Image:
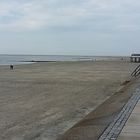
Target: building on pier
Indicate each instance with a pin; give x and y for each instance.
(135, 58)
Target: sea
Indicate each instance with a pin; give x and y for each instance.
(27, 59)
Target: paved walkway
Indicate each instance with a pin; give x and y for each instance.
(131, 130)
(114, 129)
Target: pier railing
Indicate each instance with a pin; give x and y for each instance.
(136, 72)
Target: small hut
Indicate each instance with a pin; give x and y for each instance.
(135, 58)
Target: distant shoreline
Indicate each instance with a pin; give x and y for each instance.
(38, 61)
(19, 60)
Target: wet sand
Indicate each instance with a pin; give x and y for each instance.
(41, 101)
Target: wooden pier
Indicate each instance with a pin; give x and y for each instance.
(135, 58)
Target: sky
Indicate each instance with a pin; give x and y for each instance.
(70, 27)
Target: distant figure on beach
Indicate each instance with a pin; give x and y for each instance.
(11, 67)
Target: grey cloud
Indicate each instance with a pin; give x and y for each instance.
(95, 14)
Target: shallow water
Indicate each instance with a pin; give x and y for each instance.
(18, 59)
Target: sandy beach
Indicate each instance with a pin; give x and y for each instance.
(41, 101)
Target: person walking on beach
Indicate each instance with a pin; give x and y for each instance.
(11, 67)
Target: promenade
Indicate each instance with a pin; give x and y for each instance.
(131, 130)
(126, 125)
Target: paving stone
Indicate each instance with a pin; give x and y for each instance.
(134, 120)
(136, 110)
(129, 136)
(138, 103)
(115, 128)
(131, 129)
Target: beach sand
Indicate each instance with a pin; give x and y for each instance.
(41, 101)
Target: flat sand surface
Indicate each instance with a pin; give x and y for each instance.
(41, 101)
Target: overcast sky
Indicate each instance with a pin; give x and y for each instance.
(70, 27)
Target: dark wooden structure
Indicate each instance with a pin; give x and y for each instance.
(135, 58)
